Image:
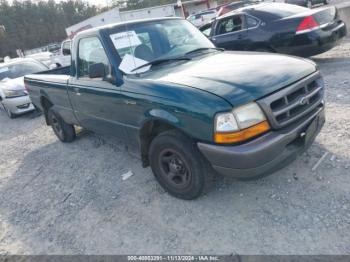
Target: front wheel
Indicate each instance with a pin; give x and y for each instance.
(65, 132)
(178, 165)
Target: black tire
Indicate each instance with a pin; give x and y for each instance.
(8, 112)
(65, 132)
(178, 165)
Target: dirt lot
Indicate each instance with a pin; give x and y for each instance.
(70, 198)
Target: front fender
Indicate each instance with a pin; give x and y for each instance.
(161, 114)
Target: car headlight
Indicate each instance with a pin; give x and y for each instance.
(14, 93)
(240, 124)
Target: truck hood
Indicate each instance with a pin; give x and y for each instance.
(12, 84)
(238, 77)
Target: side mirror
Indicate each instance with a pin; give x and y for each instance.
(66, 51)
(97, 70)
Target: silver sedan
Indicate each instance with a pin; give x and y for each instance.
(14, 97)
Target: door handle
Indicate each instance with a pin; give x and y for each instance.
(77, 91)
(239, 36)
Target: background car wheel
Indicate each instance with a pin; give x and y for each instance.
(64, 131)
(178, 165)
(8, 111)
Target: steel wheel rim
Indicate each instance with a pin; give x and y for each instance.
(174, 169)
(56, 126)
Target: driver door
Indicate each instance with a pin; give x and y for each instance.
(96, 101)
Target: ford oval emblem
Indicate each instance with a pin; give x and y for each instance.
(302, 101)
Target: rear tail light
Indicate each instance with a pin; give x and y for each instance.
(308, 24)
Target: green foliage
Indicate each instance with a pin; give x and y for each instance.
(30, 25)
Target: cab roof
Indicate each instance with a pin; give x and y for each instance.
(120, 24)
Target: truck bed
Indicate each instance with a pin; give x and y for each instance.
(52, 85)
(57, 71)
(58, 75)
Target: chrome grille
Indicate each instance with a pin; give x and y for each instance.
(293, 102)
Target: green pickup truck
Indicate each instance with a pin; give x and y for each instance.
(190, 108)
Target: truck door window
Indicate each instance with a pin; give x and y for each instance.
(91, 52)
(230, 24)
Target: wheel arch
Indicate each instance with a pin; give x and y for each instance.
(46, 104)
(152, 128)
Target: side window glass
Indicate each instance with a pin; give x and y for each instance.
(229, 25)
(252, 22)
(91, 52)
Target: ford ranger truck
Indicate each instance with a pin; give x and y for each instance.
(189, 107)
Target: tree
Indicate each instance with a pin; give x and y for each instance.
(30, 25)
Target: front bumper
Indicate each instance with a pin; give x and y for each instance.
(267, 153)
(19, 105)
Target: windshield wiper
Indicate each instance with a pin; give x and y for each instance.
(160, 61)
(203, 49)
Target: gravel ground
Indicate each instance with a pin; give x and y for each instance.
(70, 198)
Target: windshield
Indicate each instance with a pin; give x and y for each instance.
(15, 70)
(141, 43)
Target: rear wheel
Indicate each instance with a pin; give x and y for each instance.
(178, 165)
(65, 132)
(8, 111)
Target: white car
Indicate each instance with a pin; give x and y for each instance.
(62, 57)
(43, 57)
(202, 18)
(14, 97)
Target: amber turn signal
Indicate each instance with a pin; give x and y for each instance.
(242, 135)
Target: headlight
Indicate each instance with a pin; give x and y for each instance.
(249, 115)
(226, 122)
(14, 93)
(242, 123)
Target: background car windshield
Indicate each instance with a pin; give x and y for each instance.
(159, 40)
(16, 70)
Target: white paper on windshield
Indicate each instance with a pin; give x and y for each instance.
(4, 69)
(125, 39)
(130, 62)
